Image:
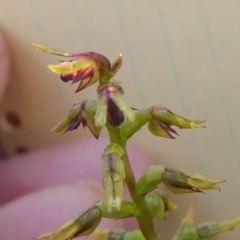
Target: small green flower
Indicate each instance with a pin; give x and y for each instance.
(185, 182)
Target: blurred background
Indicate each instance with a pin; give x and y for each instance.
(181, 54)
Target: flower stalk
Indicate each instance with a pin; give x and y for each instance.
(111, 110)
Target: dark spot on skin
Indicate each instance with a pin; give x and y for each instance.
(13, 119)
(21, 149)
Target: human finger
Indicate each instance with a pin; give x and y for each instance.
(60, 165)
(43, 211)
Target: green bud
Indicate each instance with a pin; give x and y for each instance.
(114, 175)
(212, 229)
(150, 179)
(83, 225)
(127, 209)
(185, 182)
(158, 203)
(127, 129)
(81, 113)
(155, 205)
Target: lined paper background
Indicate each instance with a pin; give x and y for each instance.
(182, 54)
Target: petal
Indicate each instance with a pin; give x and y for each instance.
(71, 66)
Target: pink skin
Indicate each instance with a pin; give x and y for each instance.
(41, 190)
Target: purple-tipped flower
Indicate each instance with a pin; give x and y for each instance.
(163, 119)
(81, 113)
(111, 106)
(86, 68)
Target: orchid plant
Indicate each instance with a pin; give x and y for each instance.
(147, 203)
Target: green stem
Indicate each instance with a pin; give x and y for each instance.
(144, 217)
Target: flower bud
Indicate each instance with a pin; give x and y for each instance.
(150, 179)
(158, 203)
(114, 175)
(186, 182)
(212, 229)
(83, 225)
(80, 113)
(112, 106)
